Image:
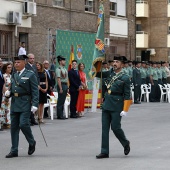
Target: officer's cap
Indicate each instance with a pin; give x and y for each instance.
(21, 57)
(163, 62)
(110, 61)
(143, 62)
(120, 58)
(136, 62)
(60, 58)
(129, 61)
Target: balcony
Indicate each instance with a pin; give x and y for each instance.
(168, 41)
(169, 10)
(142, 8)
(141, 39)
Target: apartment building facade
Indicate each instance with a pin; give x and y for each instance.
(36, 25)
(153, 30)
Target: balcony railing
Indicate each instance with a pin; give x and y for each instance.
(142, 8)
(141, 39)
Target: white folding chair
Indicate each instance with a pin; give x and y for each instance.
(132, 91)
(167, 87)
(52, 105)
(143, 92)
(163, 93)
(66, 106)
(148, 91)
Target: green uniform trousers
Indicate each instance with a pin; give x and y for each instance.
(61, 100)
(20, 120)
(114, 119)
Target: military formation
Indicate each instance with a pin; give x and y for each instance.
(145, 72)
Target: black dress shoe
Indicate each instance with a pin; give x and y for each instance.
(31, 148)
(127, 148)
(102, 155)
(74, 116)
(137, 102)
(62, 118)
(34, 122)
(11, 155)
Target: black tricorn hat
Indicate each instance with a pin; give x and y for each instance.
(104, 62)
(21, 57)
(110, 61)
(60, 58)
(136, 62)
(120, 58)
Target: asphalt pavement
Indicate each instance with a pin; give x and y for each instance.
(74, 143)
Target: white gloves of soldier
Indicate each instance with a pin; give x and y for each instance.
(34, 109)
(7, 93)
(123, 113)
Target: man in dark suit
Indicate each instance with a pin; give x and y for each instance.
(50, 83)
(137, 82)
(30, 66)
(75, 85)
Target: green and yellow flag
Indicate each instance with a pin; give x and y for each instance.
(99, 49)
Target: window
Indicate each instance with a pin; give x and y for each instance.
(58, 3)
(113, 50)
(168, 29)
(5, 44)
(113, 8)
(89, 5)
(138, 27)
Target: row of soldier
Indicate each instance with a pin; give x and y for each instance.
(150, 72)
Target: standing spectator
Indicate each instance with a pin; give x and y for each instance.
(81, 96)
(75, 82)
(24, 93)
(1, 64)
(164, 72)
(1, 88)
(6, 102)
(62, 87)
(137, 82)
(30, 66)
(52, 70)
(50, 84)
(22, 50)
(43, 86)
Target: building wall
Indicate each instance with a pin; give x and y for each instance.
(156, 25)
(71, 17)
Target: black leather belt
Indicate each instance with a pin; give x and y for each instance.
(19, 94)
(164, 78)
(64, 83)
(116, 94)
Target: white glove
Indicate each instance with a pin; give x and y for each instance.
(7, 93)
(123, 113)
(34, 109)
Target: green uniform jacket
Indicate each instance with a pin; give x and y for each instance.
(120, 89)
(28, 81)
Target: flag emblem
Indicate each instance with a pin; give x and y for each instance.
(79, 52)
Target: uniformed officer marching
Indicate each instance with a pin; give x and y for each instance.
(62, 86)
(25, 96)
(117, 101)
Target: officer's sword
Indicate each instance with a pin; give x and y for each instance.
(42, 133)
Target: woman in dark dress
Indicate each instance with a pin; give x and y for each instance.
(43, 86)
